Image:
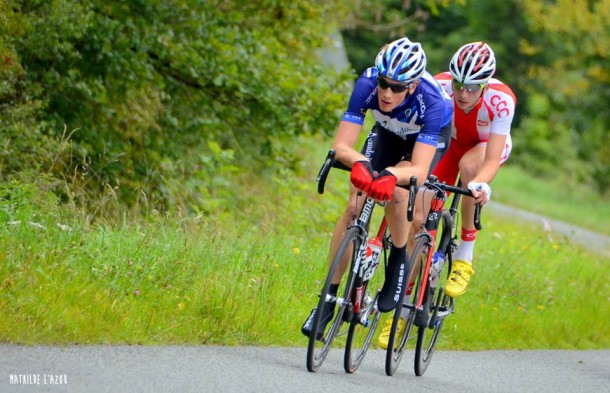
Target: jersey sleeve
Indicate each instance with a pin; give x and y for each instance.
(436, 108)
(503, 102)
(362, 94)
(444, 79)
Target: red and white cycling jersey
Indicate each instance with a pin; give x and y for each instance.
(492, 115)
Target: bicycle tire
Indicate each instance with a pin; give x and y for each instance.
(360, 334)
(446, 232)
(438, 307)
(318, 349)
(397, 345)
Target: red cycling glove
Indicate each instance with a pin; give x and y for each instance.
(362, 175)
(383, 186)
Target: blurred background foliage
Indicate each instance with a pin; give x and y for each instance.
(129, 106)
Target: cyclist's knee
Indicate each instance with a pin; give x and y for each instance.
(469, 167)
(418, 219)
(353, 206)
(400, 196)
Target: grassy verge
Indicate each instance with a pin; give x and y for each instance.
(576, 205)
(249, 277)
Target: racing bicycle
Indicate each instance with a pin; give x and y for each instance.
(428, 305)
(356, 314)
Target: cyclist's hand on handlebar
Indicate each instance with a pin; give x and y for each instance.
(481, 192)
(383, 186)
(361, 175)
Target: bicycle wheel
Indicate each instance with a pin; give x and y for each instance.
(363, 325)
(318, 349)
(438, 306)
(398, 344)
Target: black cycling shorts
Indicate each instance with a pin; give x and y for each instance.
(384, 148)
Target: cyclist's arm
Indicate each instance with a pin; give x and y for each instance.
(491, 161)
(346, 138)
(489, 168)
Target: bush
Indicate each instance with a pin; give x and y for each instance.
(161, 101)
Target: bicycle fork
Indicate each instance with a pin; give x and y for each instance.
(364, 269)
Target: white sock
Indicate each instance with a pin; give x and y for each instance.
(465, 251)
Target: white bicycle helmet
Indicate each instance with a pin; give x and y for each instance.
(402, 60)
(473, 63)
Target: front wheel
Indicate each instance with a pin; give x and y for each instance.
(363, 325)
(319, 347)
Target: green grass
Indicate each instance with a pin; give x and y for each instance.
(249, 276)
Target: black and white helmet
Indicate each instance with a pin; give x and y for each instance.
(473, 63)
(402, 60)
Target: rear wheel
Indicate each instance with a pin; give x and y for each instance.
(438, 306)
(398, 343)
(318, 348)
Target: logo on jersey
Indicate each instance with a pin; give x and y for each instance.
(422, 105)
(368, 99)
(500, 104)
(369, 145)
(399, 126)
(482, 123)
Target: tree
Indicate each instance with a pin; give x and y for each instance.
(569, 55)
(163, 101)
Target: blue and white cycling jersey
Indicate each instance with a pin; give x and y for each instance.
(424, 112)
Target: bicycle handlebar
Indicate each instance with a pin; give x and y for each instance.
(412, 193)
(323, 174)
(330, 162)
(433, 183)
(477, 216)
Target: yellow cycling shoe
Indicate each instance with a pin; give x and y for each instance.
(458, 279)
(384, 337)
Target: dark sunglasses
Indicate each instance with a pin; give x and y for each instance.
(469, 87)
(396, 88)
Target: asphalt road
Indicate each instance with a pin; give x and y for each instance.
(184, 369)
(594, 241)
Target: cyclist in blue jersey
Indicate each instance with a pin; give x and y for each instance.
(412, 130)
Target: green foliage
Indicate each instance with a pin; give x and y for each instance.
(569, 49)
(148, 88)
(370, 25)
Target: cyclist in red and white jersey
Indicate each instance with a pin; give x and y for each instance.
(483, 113)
